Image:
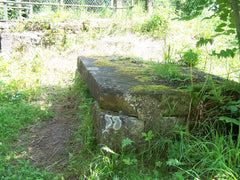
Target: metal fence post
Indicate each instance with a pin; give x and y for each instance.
(31, 10)
(5, 11)
(19, 10)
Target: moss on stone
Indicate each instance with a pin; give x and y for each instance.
(124, 67)
(116, 104)
(103, 61)
(156, 88)
(144, 78)
(129, 70)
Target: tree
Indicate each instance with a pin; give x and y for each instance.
(226, 10)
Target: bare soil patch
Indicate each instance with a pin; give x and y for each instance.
(48, 140)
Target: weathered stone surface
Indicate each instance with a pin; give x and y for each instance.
(19, 41)
(116, 91)
(158, 107)
(112, 128)
(12, 41)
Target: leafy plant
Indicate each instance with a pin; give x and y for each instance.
(157, 24)
(129, 161)
(204, 41)
(126, 142)
(85, 131)
(190, 58)
(169, 71)
(225, 53)
(148, 136)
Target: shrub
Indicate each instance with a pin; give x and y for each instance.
(190, 58)
(157, 24)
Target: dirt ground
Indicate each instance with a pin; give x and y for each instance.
(47, 142)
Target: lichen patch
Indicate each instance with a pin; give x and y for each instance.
(155, 89)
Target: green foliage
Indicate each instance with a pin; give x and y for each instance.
(230, 120)
(20, 76)
(204, 157)
(12, 168)
(82, 145)
(154, 23)
(221, 9)
(225, 53)
(231, 110)
(85, 131)
(148, 136)
(169, 71)
(189, 9)
(126, 142)
(204, 41)
(36, 25)
(157, 23)
(50, 37)
(15, 116)
(190, 58)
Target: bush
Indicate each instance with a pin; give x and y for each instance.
(158, 22)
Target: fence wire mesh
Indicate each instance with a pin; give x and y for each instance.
(74, 2)
(13, 9)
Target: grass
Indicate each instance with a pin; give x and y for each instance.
(16, 115)
(208, 149)
(24, 103)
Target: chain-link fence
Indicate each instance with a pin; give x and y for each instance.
(13, 9)
(74, 2)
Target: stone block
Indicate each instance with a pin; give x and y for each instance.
(19, 41)
(132, 103)
(112, 128)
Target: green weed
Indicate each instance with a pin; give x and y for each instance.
(190, 58)
(169, 71)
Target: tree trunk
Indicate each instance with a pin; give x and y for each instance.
(146, 5)
(235, 9)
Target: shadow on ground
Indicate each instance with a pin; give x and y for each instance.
(46, 143)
